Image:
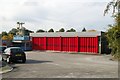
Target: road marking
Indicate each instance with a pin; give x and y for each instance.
(53, 64)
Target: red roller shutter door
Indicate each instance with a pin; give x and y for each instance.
(45, 42)
(94, 45)
(41, 43)
(82, 44)
(52, 43)
(35, 43)
(38, 43)
(88, 44)
(72, 44)
(65, 44)
(79, 44)
(56, 43)
(49, 43)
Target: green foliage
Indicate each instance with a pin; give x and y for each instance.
(8, 37)
(62, 30)
(117, 19)
(51, 30)
(40, 30)
(71, 30)
(113, 34)
(27, 32)
(13, 31)
(4, 34)
(115, 4)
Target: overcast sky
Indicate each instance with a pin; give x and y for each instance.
(46, 14)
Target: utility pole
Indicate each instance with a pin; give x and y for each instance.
(21, 24)
(20, 28)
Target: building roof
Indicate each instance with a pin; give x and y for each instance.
(66, 34)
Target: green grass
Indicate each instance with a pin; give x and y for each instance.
(5, 67)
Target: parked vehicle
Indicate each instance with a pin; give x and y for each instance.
(2, 48)
(14, 54)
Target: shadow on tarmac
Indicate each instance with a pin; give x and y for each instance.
(30, 61)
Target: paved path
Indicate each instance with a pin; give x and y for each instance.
(62, 65)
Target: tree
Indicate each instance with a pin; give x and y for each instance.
(116, 6)
(27, 32)
(71, 30)
(40, 30)
(13, 31)
(62, 30)
(84, 30)
(113, 34)
(5, 37)
(4, 34)
(51, 30)
(10, 37)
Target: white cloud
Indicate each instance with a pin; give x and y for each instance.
(54, 13)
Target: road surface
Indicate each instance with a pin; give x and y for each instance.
(64, 65)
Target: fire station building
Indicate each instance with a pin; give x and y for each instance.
(84, 42)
